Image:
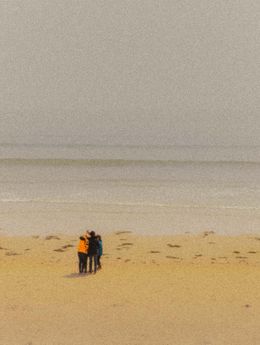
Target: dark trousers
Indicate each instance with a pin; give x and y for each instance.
(82, 262)
(91, 258)
(98, 261)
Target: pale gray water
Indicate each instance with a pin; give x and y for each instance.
(162, 181)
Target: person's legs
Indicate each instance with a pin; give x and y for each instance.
(95, 263)
(80, 263)
(87, 262)
(90, 263)
(98, 262)
(84, 264)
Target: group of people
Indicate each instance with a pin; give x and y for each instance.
(90, 249)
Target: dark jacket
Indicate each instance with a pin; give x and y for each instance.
(93, 246)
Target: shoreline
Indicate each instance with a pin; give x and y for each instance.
(19, 218)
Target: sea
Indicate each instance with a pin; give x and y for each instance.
(66, 188)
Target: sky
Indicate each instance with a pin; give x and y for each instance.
(166, 72)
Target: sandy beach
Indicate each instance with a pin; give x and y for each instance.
(184, 289)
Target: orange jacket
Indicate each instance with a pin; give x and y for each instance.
(83, 245)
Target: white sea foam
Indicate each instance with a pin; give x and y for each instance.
(137, 179)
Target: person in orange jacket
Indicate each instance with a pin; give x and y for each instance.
(83, 254)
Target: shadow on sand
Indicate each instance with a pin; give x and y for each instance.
(76, 275)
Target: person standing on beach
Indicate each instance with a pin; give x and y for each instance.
(93, 251)
(83, 254)
(100, 251)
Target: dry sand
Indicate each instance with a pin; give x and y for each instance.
(184, 290)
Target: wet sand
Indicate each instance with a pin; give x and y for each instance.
(185, 290)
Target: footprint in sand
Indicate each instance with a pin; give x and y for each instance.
(123, 232)
(60, 250)
(126, 245)
(236, 252)
(11, 254)
(2, 248)
(173, 245)
(241, 257)
(252, 252)
(154, 251)
(118, 258)
(207, 233)
(172, 257)
(197, 256)
(51, 237)
(68, 246)
(127, 260)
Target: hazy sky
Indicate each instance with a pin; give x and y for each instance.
(130, 71)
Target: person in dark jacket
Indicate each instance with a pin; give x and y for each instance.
(93, 246)
(100, 251)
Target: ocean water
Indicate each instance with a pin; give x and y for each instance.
(142, 189)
